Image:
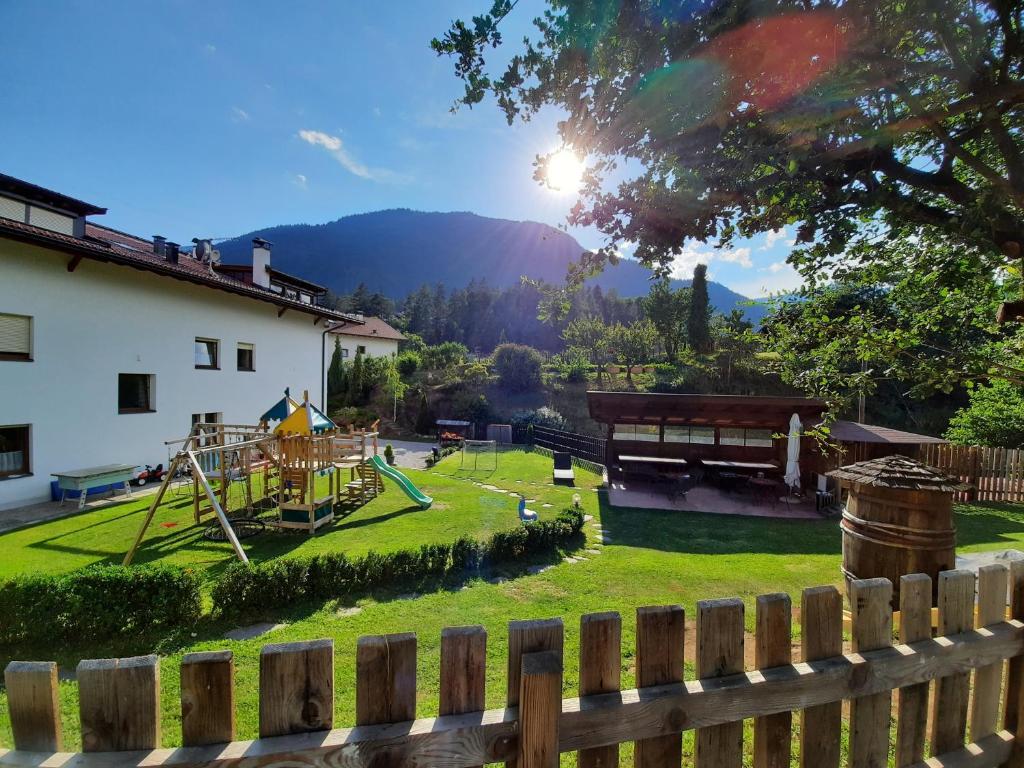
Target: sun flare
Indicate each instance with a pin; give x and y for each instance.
(564, 171)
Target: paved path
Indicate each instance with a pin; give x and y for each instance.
(407, 453)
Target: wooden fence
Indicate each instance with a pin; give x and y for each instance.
(997, 474)
(119, 699)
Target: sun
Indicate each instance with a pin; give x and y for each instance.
(564, 171)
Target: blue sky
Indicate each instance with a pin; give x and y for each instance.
(211, 119)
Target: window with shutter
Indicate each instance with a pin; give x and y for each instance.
(15, 337)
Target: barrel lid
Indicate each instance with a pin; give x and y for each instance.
(899, 472)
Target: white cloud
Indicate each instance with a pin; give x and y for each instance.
(239, 115)
(376, 111)
(775, 278)
(739, 256)
(300, 180)
(775, 267)
(778, 236)
(334, 146)
(210, 48)
(695, 253)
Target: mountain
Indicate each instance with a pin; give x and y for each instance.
(396, 251)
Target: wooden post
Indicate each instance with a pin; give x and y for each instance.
(157, 498)
(34, 704)
(600, 672)
(529, 637)
(992, 581)
(956, 614)
(821, 618)
(225, 525)
(773, 734)
(540, 707)
(463, 670)
(207, 698)
(1015, 666)
(719, 653)
(871, 605)
(660, 634)
(296, 687)
(912, 707)
(386, 679)
(119, 704)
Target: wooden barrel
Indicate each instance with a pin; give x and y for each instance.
(891, 532)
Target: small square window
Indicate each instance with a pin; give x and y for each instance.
(759, 438)
(14, 451)
(648, 433)
(702, 435)
(344, 351)
(15, 337)
(135, 393)
(207, 353)
(360, 350)
(677, 434)
(246, 359)
(730, 436)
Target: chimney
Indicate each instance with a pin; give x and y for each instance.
(171, 252)
(260, 262)
(159, 245)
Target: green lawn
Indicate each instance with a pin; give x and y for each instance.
(653, 558)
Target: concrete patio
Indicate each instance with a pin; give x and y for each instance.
(707, 498)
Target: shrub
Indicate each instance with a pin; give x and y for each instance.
(542, 417)
(389, 454)
(518, 367)
(98, 602)
(572, 365)
(408, 363)
(244, 591)
(442, 356)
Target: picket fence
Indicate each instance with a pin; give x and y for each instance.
(119, 699)
(996, 474)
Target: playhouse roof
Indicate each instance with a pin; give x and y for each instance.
(306, 420)
(899, 472)
(282, 409)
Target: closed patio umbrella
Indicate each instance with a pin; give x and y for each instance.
(792, 477)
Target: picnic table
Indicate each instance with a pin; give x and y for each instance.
(751, 465)
(629, 459)
(648, 467)
(94, 477)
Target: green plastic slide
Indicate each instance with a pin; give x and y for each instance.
(403, 482)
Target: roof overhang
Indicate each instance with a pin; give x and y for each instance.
(33, 193)
(716, 410)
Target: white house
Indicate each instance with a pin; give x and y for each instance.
(111, 344)
(373, 338)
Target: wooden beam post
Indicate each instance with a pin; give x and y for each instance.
(871, 603)
(773, 734)
(540, 707)
(296, 688)
(719, 653)
(33, 702)
(660, 634)
(600, 672)
(385, 679)
(912, 708)
(119, 704)
(821, 619)
(207, 698)
(956, 614)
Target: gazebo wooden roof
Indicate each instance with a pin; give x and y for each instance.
(713, 410)
(898, 472)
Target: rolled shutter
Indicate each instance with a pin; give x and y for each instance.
(15, 334)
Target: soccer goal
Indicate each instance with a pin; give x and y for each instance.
(479, 454)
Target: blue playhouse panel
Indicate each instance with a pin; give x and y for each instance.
(55, 492)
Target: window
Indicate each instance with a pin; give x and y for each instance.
(759, 438)
(14, 451)
(730, 436)
(702, 435)
(207, 353)
(135, 393)
(246, 361)
(360, 350)
(677, 434)
(344, 351)
(15, 337)
(752, 438)
(641, 432)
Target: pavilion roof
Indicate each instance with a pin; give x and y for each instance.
(721, 410)
(899, 472)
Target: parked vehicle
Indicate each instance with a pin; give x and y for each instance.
(148, 474)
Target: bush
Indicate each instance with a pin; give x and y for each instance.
(389, 454)
(407, 363)
(995, 417)
(572, 365)
(99, 602)
(542, 417)
(245, 591)
(444, 356)
(518, 367)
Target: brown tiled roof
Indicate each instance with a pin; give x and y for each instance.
(34, 192)
(898, 472)
(111, 246)
(372, 327)
(855, 432)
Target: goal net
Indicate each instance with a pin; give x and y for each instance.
(479, 454)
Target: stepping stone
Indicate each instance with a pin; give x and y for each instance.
(533, 570)
(408, 596)
(352, 610)
(546, 506)
(596, 525)
(587, 518)
(530, 501)
(606, 540)
(592, 551)
(572, 559)
(251, 631)
(497, 580)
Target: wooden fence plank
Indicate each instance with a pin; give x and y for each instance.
(773, 734)
(956, 614)
(296, 687)
(912, 708)
(119, 703)
(540, 707)
(207, 698)
(871, 605)
(33, 704)
(992, 581)
(386, 678)
(821, 622)
(529, 637)
(660, 634)
(719, 654)
(463, 670)
(600, 672)
(1015, 666)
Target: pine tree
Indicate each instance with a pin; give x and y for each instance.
(336, 372)
(698, 321)
(354, 390)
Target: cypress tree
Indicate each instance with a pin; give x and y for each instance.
(698, 321)
(336, 372)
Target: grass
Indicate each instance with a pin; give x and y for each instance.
(653, 558)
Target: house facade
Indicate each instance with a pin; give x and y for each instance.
(373, 338)
(111, 345)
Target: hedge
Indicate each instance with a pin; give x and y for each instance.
(98, 602)
(248, 590)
